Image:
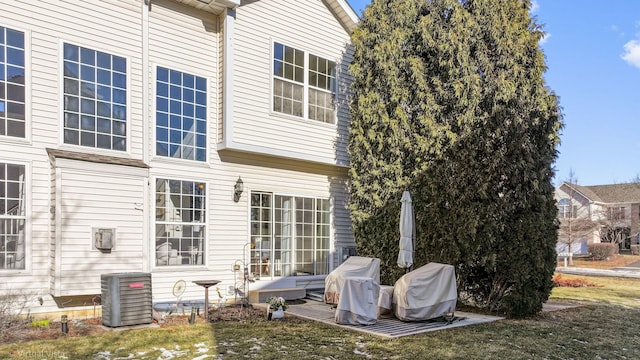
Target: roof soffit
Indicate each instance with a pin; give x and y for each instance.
(344, 13)
(212, 6)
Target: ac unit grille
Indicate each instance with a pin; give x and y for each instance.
(126, 299)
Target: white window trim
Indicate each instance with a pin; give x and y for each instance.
(28, 126)
(305, 96)
(27, 223)
(211, 130)
(152, 225)
(275, 193)
(93, 149)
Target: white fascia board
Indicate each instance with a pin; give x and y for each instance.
(263, 150)
(351, 14)
(228, 3)
(344, 13)
(97, 168)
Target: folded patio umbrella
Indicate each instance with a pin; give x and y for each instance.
(405, 254)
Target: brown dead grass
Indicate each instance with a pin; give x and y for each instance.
(588, 262)
(22, 331)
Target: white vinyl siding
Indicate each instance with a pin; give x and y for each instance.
(67, 199)
(315, 30)
(93, 196)
(184, 40)
(12, 83)
(110, 25)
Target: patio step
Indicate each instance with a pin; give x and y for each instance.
(261, 295)
(315, 295)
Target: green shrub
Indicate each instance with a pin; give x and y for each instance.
(39, 323)
(602, 251)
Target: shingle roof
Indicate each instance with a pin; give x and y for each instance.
(95, 158)
(614, 193)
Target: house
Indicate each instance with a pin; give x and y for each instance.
(188, 139)
(598, 213)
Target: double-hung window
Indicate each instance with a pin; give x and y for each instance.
(180, 222)
(95, 98)
(290, 235)
(12, 216)
(616, 213)
(566, 210)
(181, 115)
(303, 84)
(12, 80)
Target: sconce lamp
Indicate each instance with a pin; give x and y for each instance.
(237, 189)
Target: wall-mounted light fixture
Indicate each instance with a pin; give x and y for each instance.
(237, 189)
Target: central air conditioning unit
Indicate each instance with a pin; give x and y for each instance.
(126, 299)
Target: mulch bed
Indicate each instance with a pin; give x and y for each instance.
(19, 331)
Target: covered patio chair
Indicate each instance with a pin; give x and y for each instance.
(426, 293)
(354, 266)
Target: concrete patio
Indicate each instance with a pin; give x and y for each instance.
(390, 327)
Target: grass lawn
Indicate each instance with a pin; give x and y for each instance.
(593, 331)
(605, 326)
(618, 261)
(602, 328)
(610, 290)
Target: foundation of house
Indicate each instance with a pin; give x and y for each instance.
(261, 295)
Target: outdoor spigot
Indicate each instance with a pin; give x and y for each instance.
(65, 325)
(192, 318)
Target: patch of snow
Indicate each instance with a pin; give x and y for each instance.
(228, 344)
(202, 349)
(130, 356)
(103, 355)
(166, 354)
(358, 352)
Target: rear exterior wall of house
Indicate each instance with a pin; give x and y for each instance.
(126, 128)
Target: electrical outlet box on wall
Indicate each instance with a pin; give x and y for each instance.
(104, 239)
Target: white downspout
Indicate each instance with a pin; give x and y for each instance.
(227, 79)
(146, 130)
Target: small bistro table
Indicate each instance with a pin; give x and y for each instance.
(206, 284)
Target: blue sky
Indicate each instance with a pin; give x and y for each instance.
(592, 49)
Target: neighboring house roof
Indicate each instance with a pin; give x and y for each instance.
(613, 193)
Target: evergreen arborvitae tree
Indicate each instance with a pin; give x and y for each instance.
(449, 101)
